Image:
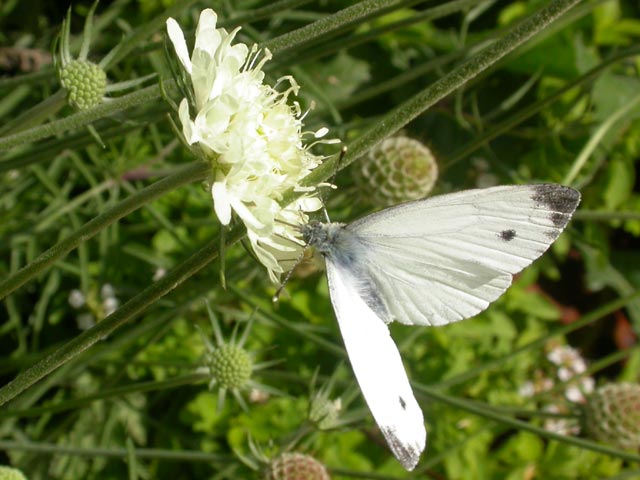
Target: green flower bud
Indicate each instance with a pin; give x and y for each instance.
(296, 466)
(612, 415)
(9, 473)
(399, 169)
(85, 83)
(231, 366)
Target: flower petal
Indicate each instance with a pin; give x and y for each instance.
(187, 125)
(179, 43)
(245, 214)
(208, 38)
(221, 203)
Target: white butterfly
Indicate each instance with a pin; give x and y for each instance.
(428, 262)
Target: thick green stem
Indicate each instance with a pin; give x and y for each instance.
(586, 319)
(127, 312)
(37, 114)
(154, 453)
(482, 138)
(404, 113)
(332, 24)
(193, 172)
(142, 387)
(492, 414)
(81, 119)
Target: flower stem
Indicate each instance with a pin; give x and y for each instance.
(75, 403)
(586, 319)
(85, 117)
(127, 312)
(597, 137)
(336, 23)
(491, 414)
(153, 453)
(34, 116)
(193, 172)
(419, 103)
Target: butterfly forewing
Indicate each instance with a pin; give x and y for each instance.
(443, 259)
(378, 367)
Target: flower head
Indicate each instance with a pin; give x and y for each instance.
(251, 136)
(230, 365)
(9, 473)
(612, 415)
(398, 169)
(294, 466)
(84, 82)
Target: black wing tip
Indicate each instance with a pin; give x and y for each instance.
(557, 197)
(406, 453)
(560, 200)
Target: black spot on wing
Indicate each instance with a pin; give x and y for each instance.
(403, 404)
(407, 454)
(561, 201)
(507, 235)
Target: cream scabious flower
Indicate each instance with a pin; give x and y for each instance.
(252, 137)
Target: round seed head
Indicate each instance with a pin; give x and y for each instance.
(10, 473)
(398, 170)
(296, 466)
(612, 415)
(231, 366)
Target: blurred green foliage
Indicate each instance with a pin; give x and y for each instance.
(563, 108)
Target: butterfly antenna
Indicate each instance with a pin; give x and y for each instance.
(276, 296)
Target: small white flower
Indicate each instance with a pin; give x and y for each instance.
(251, 136)
(107, 291)
(85, 321)
(110, 305)
(565, 374)
(527, 389)
(587, 384)
(561, 425)
(76, 298)
(258, 396)
(569, 361)
(576, 391)
(574, 394)
(159, 273)
(539, 385)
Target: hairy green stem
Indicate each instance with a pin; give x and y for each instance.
(482, 138)
(597, 138)
(418, 104)
(36, 114)
(75, 403)
(332, 24)
(491, 414)
(127, 312)
(193, 172)
(154, 453)
(605, 215)
(331, 48)
(586, 319)
(83, 118)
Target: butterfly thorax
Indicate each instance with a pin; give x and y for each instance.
(323, 236)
